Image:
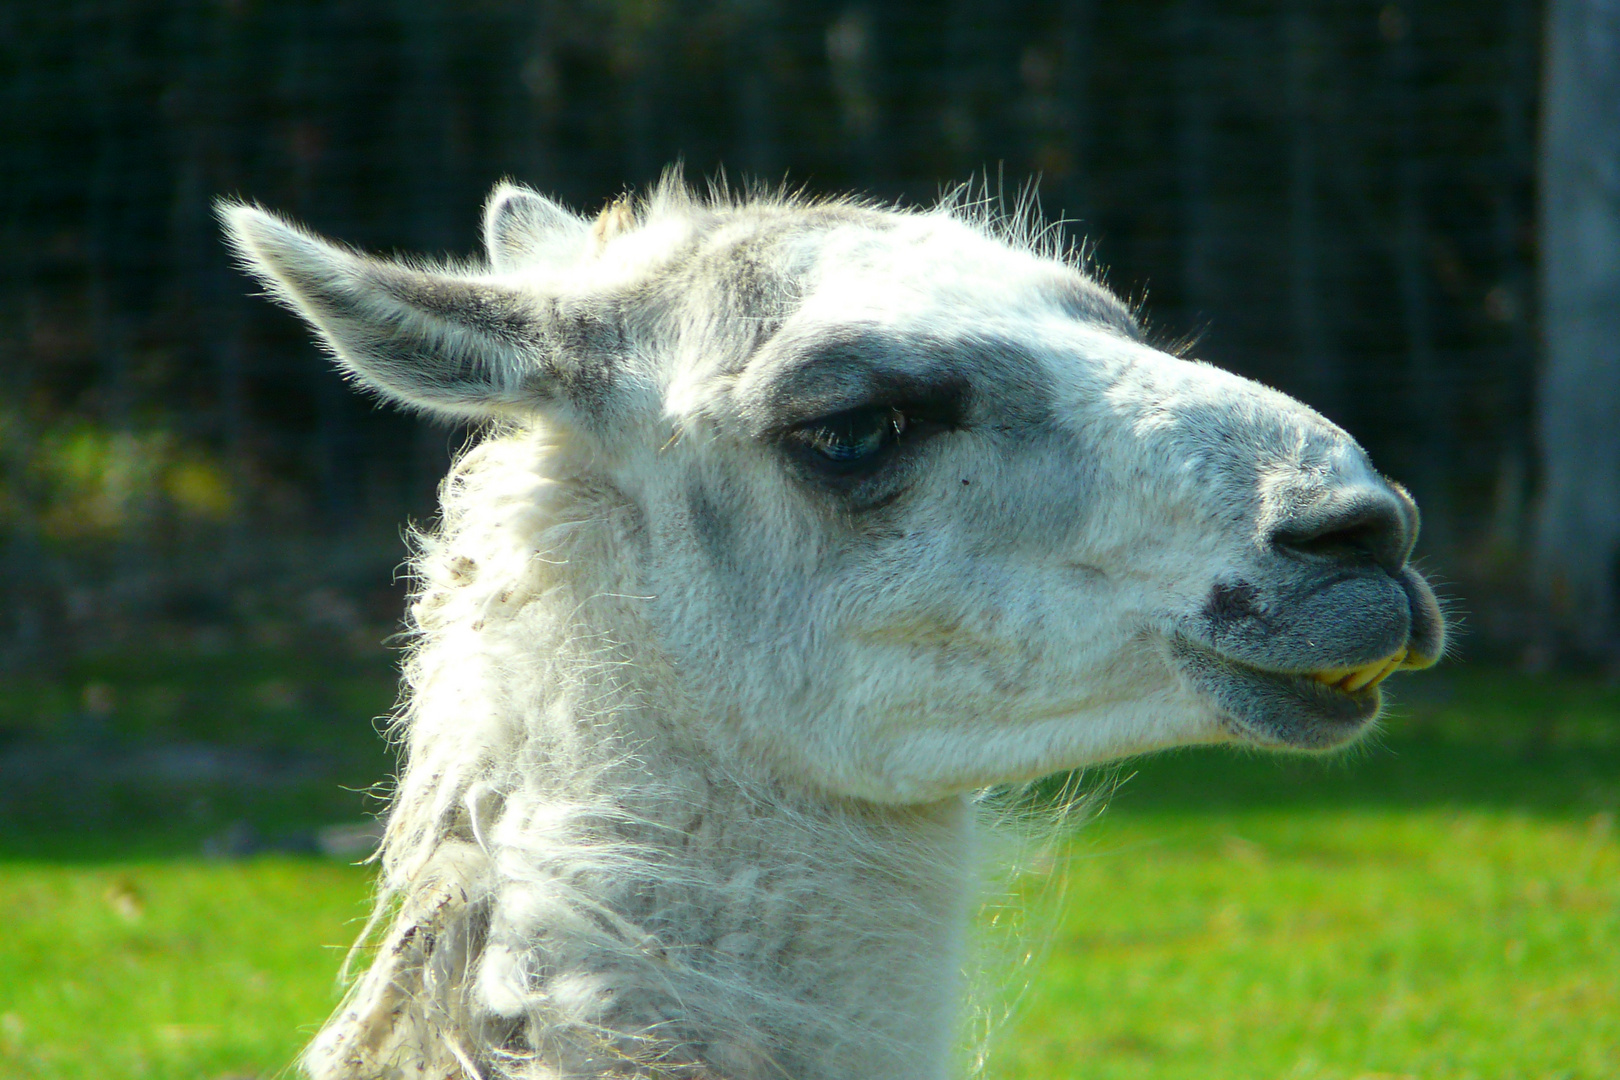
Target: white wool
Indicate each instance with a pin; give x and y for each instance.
(546, 879)
(695, 711)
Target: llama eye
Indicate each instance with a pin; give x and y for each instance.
(854, 437)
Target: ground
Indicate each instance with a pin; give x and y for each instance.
(1442, 903)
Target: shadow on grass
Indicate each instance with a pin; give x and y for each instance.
(1466, 737)
(135, 757)
(292, 750)
(1396, 772)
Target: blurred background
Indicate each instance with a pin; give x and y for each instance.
(1406, 214)
(1351, 201)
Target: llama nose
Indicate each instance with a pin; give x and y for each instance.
(1365, 523)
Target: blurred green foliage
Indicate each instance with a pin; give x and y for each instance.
(1333, 198)
(75, 480)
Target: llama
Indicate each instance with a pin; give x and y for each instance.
(794, 525)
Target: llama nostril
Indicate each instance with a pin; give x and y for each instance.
(1369, 529)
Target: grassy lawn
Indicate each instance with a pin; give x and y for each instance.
(1443, 903)
(1332, 944)
(178, 968)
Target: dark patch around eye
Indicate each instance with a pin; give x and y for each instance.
(932, 383)
(866, 456)
(938, 399)
(936, 378)
(858, 440)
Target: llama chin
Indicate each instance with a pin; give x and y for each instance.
(794, 524)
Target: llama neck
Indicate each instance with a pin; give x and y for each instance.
(690, 918)
(582, 881)
(579, 883)
(658, 915)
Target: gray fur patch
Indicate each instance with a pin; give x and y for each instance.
(856, 366)
(710, 526)
(1090, 302)
(498, 313)
(582, 348)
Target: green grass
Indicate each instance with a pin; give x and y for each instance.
(1332, 944)
(176, 969)
(1442, 904)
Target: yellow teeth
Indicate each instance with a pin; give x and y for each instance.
(1350, 680)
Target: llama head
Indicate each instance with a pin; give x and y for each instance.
(918, 509)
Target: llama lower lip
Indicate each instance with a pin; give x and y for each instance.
(1269, 708)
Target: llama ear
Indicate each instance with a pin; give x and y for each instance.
(523, 228)
(457, 345)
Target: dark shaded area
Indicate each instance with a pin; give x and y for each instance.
(158, 756)
(1397, 772)
(1468, 737)
(1335, 197)
(162, 753)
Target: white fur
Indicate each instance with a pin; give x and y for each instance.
(689, 744)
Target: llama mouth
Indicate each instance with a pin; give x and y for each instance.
(1314, 710)
(1356, 679)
